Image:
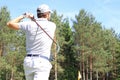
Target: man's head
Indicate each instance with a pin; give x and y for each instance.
(43, 11)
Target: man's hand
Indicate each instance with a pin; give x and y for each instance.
(28, 15)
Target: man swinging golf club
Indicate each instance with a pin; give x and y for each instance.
(38, 44)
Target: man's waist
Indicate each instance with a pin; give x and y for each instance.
(37, 55)
(37, 51)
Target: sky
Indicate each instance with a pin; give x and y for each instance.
(107, 12)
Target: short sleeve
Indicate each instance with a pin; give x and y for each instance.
(23, 26)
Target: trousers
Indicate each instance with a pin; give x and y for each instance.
(36, 68)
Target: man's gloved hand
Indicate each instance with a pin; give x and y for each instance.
(28, 15)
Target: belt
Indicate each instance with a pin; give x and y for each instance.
(37, 55)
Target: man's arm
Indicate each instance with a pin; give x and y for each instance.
(14, 23)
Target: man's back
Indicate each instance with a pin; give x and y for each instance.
(37, 41)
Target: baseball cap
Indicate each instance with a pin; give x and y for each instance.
(43, 8)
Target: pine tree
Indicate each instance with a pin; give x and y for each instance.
(12, 43)
(95, 46)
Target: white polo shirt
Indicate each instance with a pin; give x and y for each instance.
(37, 41)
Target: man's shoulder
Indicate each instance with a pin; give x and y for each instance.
(52, 23)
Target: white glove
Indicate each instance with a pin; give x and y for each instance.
(28, 15)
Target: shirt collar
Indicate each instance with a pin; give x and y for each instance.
(42, 19)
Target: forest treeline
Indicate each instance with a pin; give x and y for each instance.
(86, 46)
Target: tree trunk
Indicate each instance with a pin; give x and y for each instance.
(7, 76)
(12, 73)
(90, 67)
(87, 71)
(97, 75)
(55, 66)
(107, 75)
(83, 68)
(1, 49)
(103, 77)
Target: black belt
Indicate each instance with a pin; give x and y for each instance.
(37, 55)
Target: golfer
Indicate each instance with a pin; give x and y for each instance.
(38, 44)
